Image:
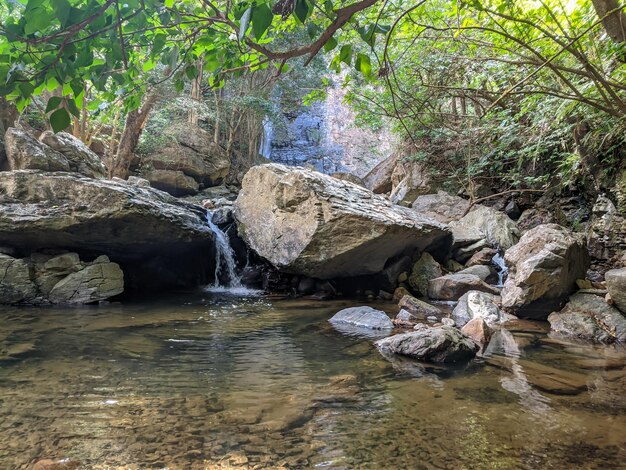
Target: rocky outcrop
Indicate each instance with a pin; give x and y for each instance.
(474, 227)
(616, 285)
(588, 317)
(24, 152)
(58, 279)
(308, 223)
(436, 344)
(173, 182)
(81, 159)
(141, 226)
(193, 156)
(342, 175)
(364, 317)
(543, 268)
(454, 286)
(482, 305)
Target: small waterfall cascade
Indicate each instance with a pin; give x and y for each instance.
(503, 271)
(265, 148)
(225, 265)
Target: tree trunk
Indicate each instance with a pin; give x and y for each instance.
(196, 92)
(135, 122)
(613, 18)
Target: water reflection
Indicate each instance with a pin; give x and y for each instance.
(218, 381)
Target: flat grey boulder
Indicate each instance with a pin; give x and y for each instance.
(588, 317)
(616, 285)
(73, 212)
(363, 317)
(436, 344)
(93, 283)
(305, 222)
(543, 268)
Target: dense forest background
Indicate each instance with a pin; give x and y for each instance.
(486, 97)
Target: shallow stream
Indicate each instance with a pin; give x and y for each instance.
(213, 381)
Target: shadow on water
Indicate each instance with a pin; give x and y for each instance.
(210, 380)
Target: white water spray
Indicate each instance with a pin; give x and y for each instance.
(498, 260)
(225, 264)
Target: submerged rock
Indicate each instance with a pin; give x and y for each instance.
(543, 268)
(589, 317)
(364, 317)
(616, 285)
(308, 223)
(436, 344)
(453, 286)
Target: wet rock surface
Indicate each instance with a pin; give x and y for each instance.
(308, 223)
(436, 344)
(476, 304)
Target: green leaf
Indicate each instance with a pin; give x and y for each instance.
(330, 44)
(59, 120)
(363, 64)
(301, 11)
(71, 105)
(169, 3)
(262, 17)
(244, 23)
(53, 103)
(191, 71)
(345, 54)
(62, 10)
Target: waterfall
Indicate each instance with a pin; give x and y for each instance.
(498, 260)
(266, 140)
(225, 264)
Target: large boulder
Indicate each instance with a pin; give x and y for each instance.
(454, 286)
(481, 305)
(93, 283)
(616, 285)
(364, 317)
(130, 224)
(81, 159)
(418, 309)
(441, 206)
(24, 152)
(16, 285)
(193, 153)
(436, 344)
(378, 180)
(589, 317)
(543, 268)
(485, 223)
(423, 271)
(173, 182)
(409, 179)
(308, 223)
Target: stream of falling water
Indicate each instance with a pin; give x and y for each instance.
(225, 263)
